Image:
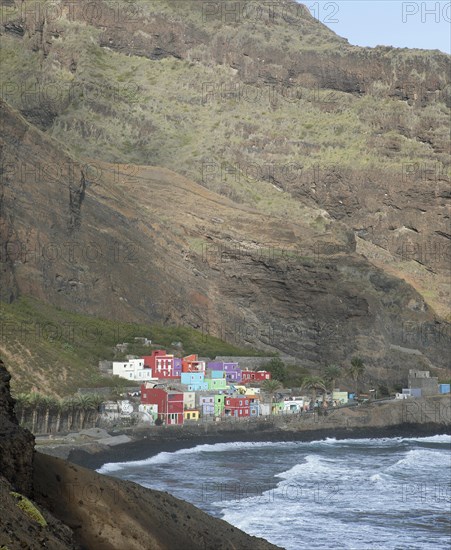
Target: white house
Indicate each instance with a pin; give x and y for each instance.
(293, 405)
(133, 369)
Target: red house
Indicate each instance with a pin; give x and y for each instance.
(170, 403)
(161, 363)
(252, 376)
(237, 406)
(191, 363)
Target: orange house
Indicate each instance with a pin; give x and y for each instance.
(191, 363)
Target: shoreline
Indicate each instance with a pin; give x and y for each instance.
(147, 445)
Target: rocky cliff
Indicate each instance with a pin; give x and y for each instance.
(115, 250)
(16, 444)
(302, 206)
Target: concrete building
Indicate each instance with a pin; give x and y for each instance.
(133, 369)
(421, 379)
(341, 397)
(292, 405)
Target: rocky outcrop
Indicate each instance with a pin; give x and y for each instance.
(16, 444)
(109, 514)
(93, 511)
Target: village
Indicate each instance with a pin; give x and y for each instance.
(175, 390)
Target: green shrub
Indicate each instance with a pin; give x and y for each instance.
(30, 509)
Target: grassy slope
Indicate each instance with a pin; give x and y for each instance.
(57, 351)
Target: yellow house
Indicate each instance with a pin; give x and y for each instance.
(191, 414)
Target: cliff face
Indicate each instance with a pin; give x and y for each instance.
(345, 253)
(16, 444)
(115, 250)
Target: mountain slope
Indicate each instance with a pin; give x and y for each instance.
(159, 247)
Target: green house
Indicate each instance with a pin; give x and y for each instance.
(216, 383)
(219, 404)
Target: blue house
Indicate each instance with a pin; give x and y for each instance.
(194, 380)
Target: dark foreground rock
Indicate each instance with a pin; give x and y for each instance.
(106, 513)
(16, 444)
(72, 508)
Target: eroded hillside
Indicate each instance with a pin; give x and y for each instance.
(283, 152)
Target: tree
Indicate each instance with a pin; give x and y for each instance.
(277, 369)
(84, 404)
(36, 403)
(314, 383)
(356, 370)
(22, 406)
(331, 375)
(271, 386)
(69, 405)
(48, 404)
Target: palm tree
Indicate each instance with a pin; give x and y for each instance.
(59, 407)
(22, 405)
(314, 383)
(36, 402)
(48, 404)
(271, 386)
(68, 405)
(84, 404)
(356, 370)
(96, 400)
(331, 375)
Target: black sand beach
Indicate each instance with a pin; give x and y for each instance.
(171, 439)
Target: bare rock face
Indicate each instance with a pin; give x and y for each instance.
(16, 444)
(92, 237)
(113, 249)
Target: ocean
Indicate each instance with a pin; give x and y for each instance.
(360, 494)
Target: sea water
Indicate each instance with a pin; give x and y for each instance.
(362, 494)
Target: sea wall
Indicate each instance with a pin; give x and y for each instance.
(413, 418)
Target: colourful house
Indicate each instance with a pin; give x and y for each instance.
(194, 381)
(248, 376)
(177, 367)
(191, 414)
(232, 370)
(254, 408)
(236, 406)
(191, 363)
(233, 375)
(219, 404)
(216, 383)
(215, 373)
(160, 363)
(170, 403)
(189, 399)
(207, 405)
